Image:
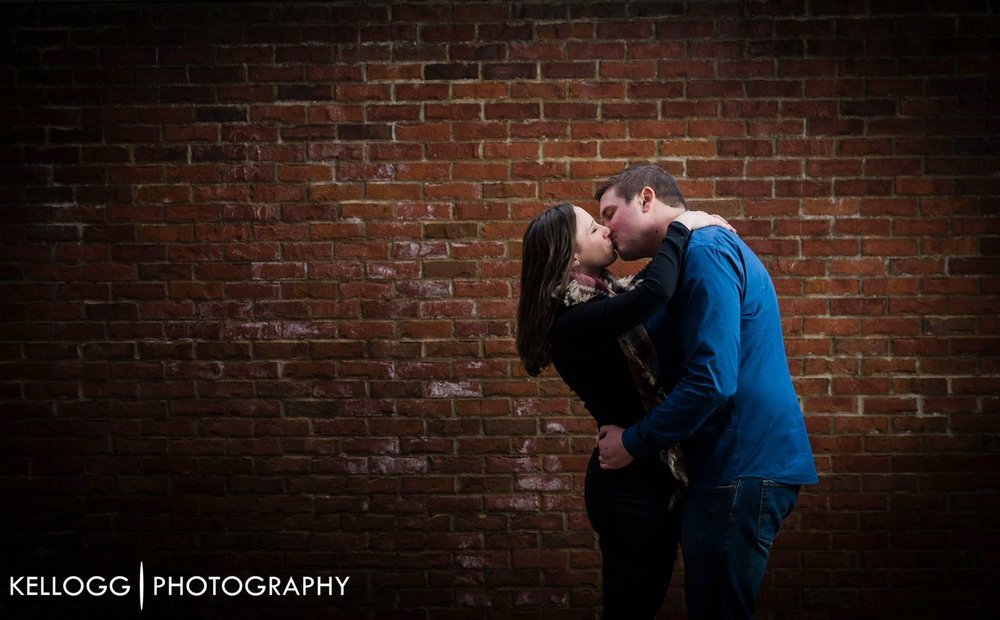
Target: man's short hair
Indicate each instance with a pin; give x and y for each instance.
(630, 181)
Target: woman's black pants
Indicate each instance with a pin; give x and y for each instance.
(629, 508)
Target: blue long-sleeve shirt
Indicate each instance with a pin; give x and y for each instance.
(732, 404)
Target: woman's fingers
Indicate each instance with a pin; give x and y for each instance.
(723, 222)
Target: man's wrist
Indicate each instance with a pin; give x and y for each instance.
(633, 445)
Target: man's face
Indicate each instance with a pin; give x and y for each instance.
(625, 220)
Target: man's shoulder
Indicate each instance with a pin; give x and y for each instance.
(712, 236)
(714, 247)
(716, 239)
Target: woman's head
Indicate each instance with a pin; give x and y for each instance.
(560, 239)
(594, 250)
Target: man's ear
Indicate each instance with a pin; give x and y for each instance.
(646, 197)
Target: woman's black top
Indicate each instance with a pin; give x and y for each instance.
(584, 338)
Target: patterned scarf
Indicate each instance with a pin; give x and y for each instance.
(639, 352)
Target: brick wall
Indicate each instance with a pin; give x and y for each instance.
(259, 270)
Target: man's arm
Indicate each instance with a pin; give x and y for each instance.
(708, 313)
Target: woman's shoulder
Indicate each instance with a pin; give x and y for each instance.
(567, 318)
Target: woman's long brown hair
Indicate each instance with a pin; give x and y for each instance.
(546, 253)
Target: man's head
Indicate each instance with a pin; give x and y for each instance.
(637, 205)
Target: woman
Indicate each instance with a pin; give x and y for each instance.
(573, 314)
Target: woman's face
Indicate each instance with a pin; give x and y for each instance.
(594, 250)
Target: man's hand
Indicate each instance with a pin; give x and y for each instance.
(611, 452)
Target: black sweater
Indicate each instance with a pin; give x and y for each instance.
(585, 348)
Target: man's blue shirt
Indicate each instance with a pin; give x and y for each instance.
(731, 401)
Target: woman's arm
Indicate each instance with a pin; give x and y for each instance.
(615, 315)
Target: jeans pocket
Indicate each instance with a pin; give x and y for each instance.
(776, 502)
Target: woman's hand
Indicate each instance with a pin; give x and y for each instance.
(700, 219)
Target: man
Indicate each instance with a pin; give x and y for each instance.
(730, 400)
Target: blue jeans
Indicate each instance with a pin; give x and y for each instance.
(726, 534)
